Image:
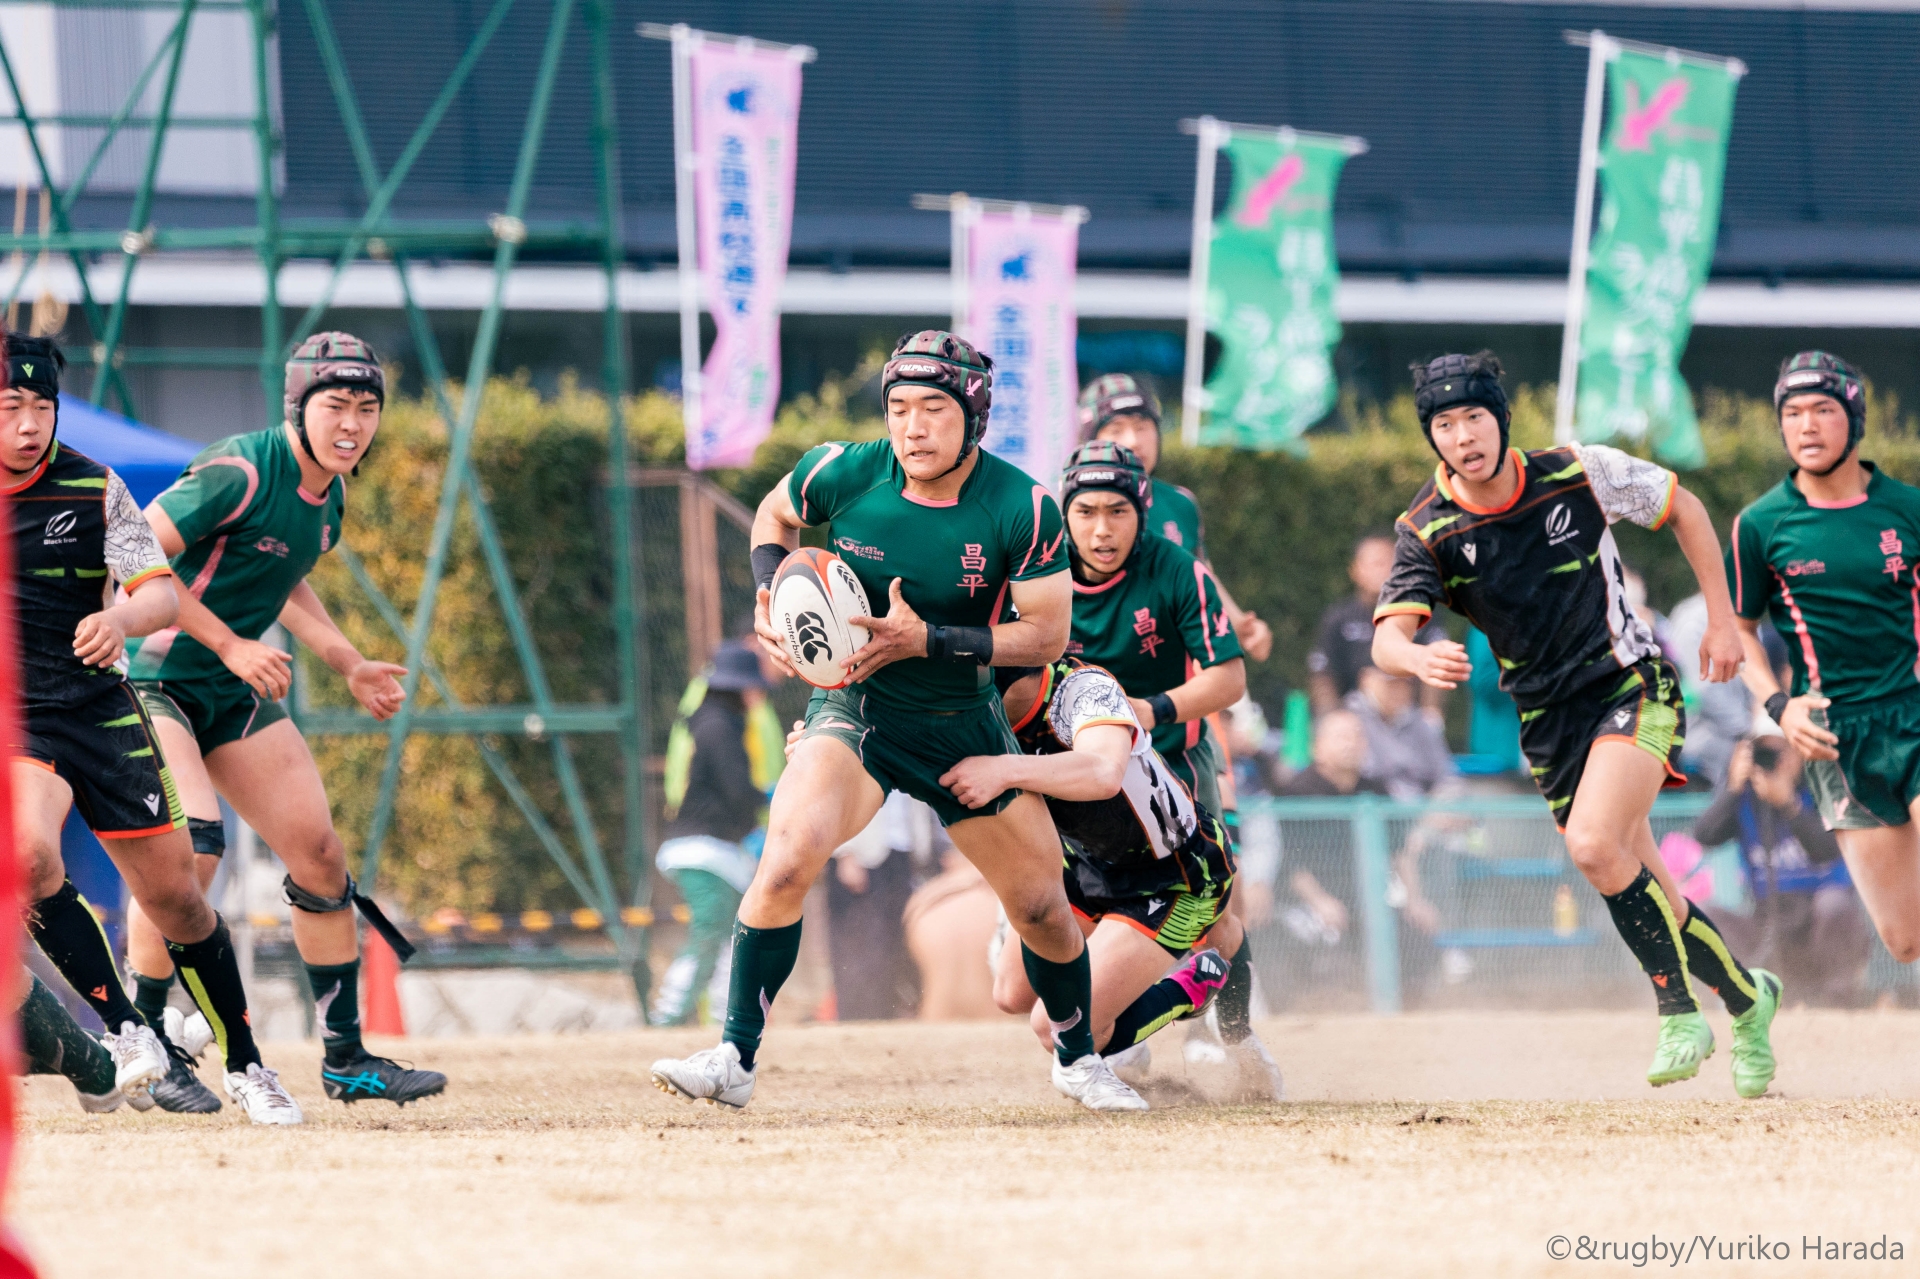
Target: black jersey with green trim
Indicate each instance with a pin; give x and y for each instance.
(1540, 576)
(1149, 622)
(956, 560)
(1152, 815)
(77, 533)
(1841, 581)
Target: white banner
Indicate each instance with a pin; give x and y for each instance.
(1019, 310)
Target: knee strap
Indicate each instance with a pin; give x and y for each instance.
(209, 838)
(369, 910)
(314, 902)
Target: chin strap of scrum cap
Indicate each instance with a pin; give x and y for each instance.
(370, 910)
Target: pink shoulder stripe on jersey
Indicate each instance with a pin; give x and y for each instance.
(205, 575)
(253, 484)
(917, 500)
(1738, 603)
(1806, 637)
(993, 618)
(1916, 622)
(1845, 502)
(833, 451)
(1200, 586)
(1081, 588)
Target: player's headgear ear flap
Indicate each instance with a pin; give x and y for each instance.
(1452, 380)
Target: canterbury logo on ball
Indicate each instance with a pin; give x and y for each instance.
(62, 524)
(810, 633)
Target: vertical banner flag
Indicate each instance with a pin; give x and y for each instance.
(1660, 171)
(1271, 280)
(744, 102)
(1019, 310)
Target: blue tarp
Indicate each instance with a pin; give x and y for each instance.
(146, 459)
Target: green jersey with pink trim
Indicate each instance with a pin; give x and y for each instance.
(1841, 581)
(956, 560)
(1174, 514)
(252, 534)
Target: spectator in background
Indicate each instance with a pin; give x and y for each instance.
(1321, 882)
(874, 977)
(712, 805)
(1406, 751)
(1719, 716)
(1808, 923)
(1344, 643)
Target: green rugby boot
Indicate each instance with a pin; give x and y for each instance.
(1685, 1041)
(1753, 1064)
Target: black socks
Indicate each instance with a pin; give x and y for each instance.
(1713, 962)
(1233, 1006)
(150, 997)
(211, 973)
(1163, 1002)
(67, 933)
(763, 959)
(1067, 992)
(336, 1001)
(1646, 923)
(53, 1044)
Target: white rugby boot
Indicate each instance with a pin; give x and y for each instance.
(260, 1094)
(139, 1059)
(1091, 1082)
(713, 1075)
(100, 1103)
(1132, 1064)
(191, 1034)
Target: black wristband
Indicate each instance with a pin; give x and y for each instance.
(767, 558)
(1164, 711)
(1776, 707)
(962, 645)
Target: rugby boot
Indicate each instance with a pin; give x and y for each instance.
(1753, 1064)
(1260, 1078)
(139, 1058)
(369, 1078)
(260, 1093)
(100, 1103)
(1132, 1064)
(713, 1075)
(191, 1033)
(181, 1092)
(1091, 1082)
(1201, 975)
(1685, 1041)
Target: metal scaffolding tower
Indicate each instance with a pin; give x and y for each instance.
(377, 235)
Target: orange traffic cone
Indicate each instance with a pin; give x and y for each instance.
(380, 979)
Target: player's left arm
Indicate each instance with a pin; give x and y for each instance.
(375, 685)
(147, 601)
(1093, 770)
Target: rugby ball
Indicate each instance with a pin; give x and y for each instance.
(814, 594)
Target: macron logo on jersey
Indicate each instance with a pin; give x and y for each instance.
(1472, 553)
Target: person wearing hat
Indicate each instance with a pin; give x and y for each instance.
(1520, 544)
(1832, 555)
(245, 524)
(712, 805)
(960, 556)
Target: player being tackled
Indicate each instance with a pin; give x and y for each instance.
(965, 550)
(1832, 553)
(1520, 545)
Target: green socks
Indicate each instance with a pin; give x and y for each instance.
(336, 1001)
(1066, 990)
(53, 1044)
(211, 973)
(1646, 923)
(150, 997)
(763, 959)
(1712, 960)
(64, 928)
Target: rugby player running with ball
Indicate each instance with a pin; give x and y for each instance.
(1833, 553)
(1520, 545)
(85, 742)
(949, 536)
(245, 525)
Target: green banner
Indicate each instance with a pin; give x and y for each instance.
(1271, 280)
(1660, 173)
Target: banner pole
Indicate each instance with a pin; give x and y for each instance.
(1598, 55)
(1191, 389)
(684, 164)
(959, 222)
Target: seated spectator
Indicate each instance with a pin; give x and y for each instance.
(1406, 751)
(1344, 642)
(1321, 880)
(1808, 924)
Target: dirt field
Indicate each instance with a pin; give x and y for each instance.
(1428, 1145)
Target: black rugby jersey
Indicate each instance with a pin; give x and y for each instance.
(1152, 816)
(1540, 576)
(76, 533)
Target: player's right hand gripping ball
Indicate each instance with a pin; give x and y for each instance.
(814, 594)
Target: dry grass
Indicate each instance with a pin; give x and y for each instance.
(1430, 1145)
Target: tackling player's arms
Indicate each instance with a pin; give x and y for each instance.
(1094, 769)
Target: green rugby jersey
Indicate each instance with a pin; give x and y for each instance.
(252, 534)
(1173, 513)
(956, 560)
(1842, 582)
(1146, 622)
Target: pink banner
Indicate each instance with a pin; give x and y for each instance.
(1020, 311)
(746, 119)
